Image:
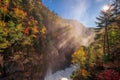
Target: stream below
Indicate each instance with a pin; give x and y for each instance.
(61, 74)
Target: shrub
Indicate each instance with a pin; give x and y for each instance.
(108, 75)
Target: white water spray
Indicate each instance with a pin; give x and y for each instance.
(62, 74)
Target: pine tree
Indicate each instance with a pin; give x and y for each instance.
(116, 5)
(104, 20)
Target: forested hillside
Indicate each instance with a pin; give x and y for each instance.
(22, 39)
(33, 40)
(101, 60)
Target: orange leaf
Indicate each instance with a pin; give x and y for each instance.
(35, 29)
(26, 31)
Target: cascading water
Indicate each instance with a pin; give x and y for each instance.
(62, 74)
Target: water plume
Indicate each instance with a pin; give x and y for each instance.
(62, 74)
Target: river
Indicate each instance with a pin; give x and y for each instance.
(61, 74)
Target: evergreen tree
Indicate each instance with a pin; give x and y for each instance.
(109, 21)
(104, 20)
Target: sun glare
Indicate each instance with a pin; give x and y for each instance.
(64, 78)
(106, 8)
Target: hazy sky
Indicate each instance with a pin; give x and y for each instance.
(84, 11)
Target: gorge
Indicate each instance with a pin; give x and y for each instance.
(47, 40)
(71, 36)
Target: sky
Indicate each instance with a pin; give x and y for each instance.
(85, 11)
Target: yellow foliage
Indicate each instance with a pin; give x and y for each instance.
(35, 29)
(84, 73)
(3, 9)
(4, 2)
(79, 57)
(43, 30)
(27, 41)
(19, 27)
(19, 13)
(2, 24)
(4, 45)
(32, 22)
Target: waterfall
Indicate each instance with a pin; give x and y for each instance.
(61, 74)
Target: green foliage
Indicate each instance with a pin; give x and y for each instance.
(81, 74)
(114, 37)
(14, 24)
(107, 58)
(21, 27)
(98, 60)
(3, 42)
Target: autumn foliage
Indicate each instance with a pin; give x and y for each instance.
(108, 75)
(101, 58)
(19, 30)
